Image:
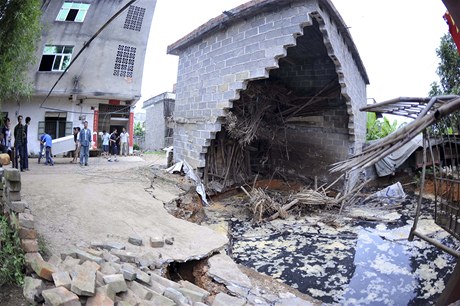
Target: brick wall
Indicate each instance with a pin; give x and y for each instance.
(214, 69)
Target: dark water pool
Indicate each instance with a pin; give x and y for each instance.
(354, 264)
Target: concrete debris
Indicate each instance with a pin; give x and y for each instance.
(223, 299)
(116, 283)
(128, 271)
(224, 270)
(157, 242)
(125, 255)
(135, 240)
(169, 241)
(62, 279)
(60, 296)
(32, 289)
(108, 245)
(83, 281)
(83, 256)
(176, 296)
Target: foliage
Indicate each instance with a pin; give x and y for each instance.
(136, 147)
(139, 130)
(11, 255)
(448, 68)
(377, 129)
(20, 28)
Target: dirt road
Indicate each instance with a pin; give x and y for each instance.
(105, 201)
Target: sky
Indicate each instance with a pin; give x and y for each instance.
(396, 40)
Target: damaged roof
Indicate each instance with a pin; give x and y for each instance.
(255, 7)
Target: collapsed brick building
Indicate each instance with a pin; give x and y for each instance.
(271, 87)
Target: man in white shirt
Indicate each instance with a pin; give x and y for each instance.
(124, 142)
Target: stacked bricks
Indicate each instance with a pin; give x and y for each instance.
(19, 214)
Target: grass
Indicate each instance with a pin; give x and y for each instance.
(12, 260)
(159, 153)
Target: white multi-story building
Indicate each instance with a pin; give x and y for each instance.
(102, 85)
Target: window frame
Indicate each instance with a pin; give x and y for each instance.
(68, 6)
(62, 57)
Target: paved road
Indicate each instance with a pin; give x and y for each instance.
(75, 205)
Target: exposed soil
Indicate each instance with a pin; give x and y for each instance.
(12, 296)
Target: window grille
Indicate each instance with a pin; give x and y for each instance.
(124, 62)
(134, 18)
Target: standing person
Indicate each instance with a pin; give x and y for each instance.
(77, 144)
(26, 150)
(48, 141)
(124, 142)
(42, 146)
(105, 143)
(19, 140)
(6, 141)
(85, 142)
(114, 145)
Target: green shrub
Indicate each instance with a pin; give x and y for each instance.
(136, 147)
(377, 129)
(12, 259)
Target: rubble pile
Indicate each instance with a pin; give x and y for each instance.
(108, 274)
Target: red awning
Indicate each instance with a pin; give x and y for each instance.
(453, 29)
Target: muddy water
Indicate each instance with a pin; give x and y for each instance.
(356, 263)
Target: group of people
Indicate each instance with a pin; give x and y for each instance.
(82, 138)
(111, 143)
(17, 151)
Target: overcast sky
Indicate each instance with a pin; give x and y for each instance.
(396, 39)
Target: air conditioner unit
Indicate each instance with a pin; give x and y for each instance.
(82, 117)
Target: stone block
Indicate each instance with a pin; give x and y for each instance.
(29, 258)
(193, 296)
(110, 257)
(135, 240)
(104, 297)
(55, 260)
(191, 286)
(125, 256)
(130, 297)
(29, 245)
(128, 271)
(26, 220)
(13, 195)
(141, 291)
(157, 242)
(83, 256)
(116, 282)
(69, 264)
(108, 245)
(148, 259)
(158, 288)
(175, 296)
(43, 268)
(12, 174)
(164, 281)
(60, 296)
(62, 279)
(142, 277)
(107, 269)
(99, 279)
(125, 303)
(17, 206)
(13, 186)
(94, 252)
(84, 282)
(223, 299)
(27, 233)
(91, 265)
(158, 301)
(32, 289)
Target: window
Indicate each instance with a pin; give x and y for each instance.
(124, 62)
(71, 11)
(134, 18)
(55, 125)
(55, 58)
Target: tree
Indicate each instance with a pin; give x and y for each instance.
(377, 129)
(448, 68)
(20, 28)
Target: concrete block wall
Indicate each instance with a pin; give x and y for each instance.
(214, 69)
(155, 127)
